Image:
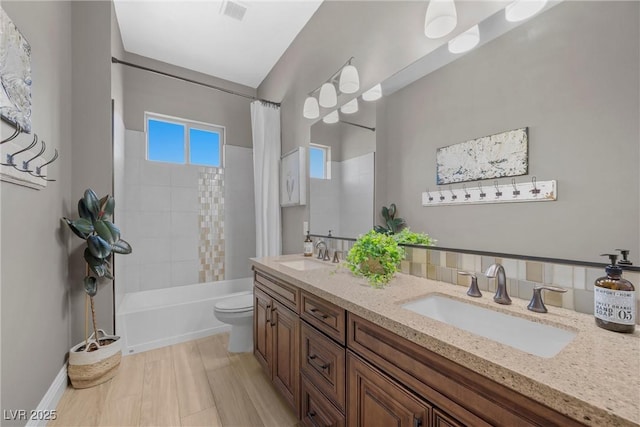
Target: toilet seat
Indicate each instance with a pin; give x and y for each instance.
(237, 304)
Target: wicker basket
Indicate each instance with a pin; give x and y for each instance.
(90, 368)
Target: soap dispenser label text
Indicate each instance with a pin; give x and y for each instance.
(615, 306)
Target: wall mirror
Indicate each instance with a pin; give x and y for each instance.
(529, 74)
(341, 172)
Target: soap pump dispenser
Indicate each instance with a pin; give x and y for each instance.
(614, 300)
(308, 245)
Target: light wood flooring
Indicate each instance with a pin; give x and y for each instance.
(197, 383)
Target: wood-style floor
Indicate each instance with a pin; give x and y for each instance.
(197, 383)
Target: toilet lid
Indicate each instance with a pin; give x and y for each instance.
(237, 303)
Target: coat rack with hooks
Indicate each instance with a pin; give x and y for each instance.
(25, 162)
(513, 192)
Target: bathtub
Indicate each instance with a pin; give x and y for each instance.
(157, 318)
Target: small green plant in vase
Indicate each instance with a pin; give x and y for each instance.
(375, 256)
(96, 360)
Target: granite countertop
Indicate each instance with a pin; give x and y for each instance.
(595, 379)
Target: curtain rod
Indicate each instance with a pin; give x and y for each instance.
(231, 92)
(356, 124)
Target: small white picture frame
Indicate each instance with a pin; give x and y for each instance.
(293, 178)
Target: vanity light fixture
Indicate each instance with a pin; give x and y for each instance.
(441, 18)
(311, 109)
(350, 107)
(465, 41)
(331, 118)
(373, 94)
(349, 80)
(328, 97)
(520, 10)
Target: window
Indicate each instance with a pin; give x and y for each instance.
(319, 158)
(173, 140)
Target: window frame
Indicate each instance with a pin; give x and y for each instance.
(188, 125)
(327, 159)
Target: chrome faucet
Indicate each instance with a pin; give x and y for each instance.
(322, 254)
(497, 271)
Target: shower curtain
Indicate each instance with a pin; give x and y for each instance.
(265, 126)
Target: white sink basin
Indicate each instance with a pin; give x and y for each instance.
(535, 338)
(303, 264)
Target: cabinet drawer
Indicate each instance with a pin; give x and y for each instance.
(327, 317)
(316, 410)
(287, 294)
(323, 361)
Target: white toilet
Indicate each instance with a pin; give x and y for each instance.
(237, 311)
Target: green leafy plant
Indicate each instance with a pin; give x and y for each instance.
(392, 224)
(408, 237)
(375, 256)
(102, 238)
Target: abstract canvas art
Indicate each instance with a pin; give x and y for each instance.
(493, 156)
(293, 190)
(15, 74)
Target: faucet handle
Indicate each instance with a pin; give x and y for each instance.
(473, 291)
(537, 304)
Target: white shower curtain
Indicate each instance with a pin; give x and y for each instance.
(265, 126)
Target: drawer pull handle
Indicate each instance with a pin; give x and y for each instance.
(417, 422)
(311, 415)
(318, 313)
(311, 362)
(268, 313)
(271, 317)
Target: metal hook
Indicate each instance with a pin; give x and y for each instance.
(516, 192)
(39, 168)
(429, 194)
(498, 192)
(482, 193)
(453, 195)
(535, 190)
(15, 134)
(25, 164)
(441, 195)
(467, 196)
(10, 157)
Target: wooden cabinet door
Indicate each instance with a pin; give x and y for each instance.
(285, 329)
(377, 401)
(441, 419)
(262, 339)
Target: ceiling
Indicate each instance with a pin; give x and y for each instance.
(197, 36)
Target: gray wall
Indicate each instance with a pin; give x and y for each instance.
(92, 154)
(35, 301)
(372, 32)
(117, 95)
(145, 91)
(578, 92)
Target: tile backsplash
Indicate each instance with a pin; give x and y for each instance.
(522, 276)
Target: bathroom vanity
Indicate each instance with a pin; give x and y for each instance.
(342, 353)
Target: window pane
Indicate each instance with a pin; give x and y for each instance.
(204, 147)
(317, 162)
(166, 142)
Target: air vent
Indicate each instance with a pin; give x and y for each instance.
(233, 9)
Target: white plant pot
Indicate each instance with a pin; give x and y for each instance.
(90, 368)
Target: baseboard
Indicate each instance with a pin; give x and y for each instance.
(51, 398)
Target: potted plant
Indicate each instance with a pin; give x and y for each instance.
(408, 237)
(96, 359)
(375, 256)
(392, 224)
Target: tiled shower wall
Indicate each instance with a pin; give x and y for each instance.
(522, 276)
(177, 219)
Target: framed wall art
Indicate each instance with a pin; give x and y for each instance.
(293, 178)
(493, 156)
(15, 74)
